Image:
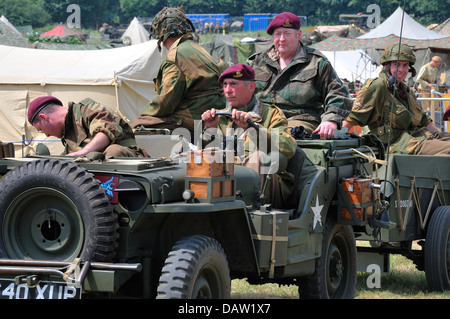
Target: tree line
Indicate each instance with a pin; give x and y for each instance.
(39, 13)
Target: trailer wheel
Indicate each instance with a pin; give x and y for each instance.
(196, 268)
(55, 210)
(335, 269)
(437, 250)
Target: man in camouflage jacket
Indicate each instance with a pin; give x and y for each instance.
(186, 83)
(391, 111)
(84, 127)
(300, 80)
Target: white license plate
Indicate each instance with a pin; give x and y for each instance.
(44, 290)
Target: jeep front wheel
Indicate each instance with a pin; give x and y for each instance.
(55, 210)
(196, 268)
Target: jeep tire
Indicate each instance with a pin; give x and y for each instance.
(336, 269)
(196, 268)
(53, 209)
(437, 250)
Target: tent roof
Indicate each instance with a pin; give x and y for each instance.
(335, 43)
(393, 26)
(73, 67)
(135, 32)
(443, 28)
(64, 30)
(10, 37)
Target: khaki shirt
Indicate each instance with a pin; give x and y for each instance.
(427, 75)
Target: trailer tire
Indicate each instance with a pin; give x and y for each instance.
(437, 250)
(53, 209)
(196, 268)
(335, 270)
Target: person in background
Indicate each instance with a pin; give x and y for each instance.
(300, 80)
(84, 127)
(391, 111)
(186, 83)
(426, 80)
(222, 64)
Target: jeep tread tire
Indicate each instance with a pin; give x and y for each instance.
(336, 269)
(437, 250)
(52, 209)
(196, 268)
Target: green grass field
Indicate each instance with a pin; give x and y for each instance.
(404, 281)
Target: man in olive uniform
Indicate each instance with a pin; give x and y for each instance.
(84, 127)
(427, 79)
(391, 111)
(187, 79)
(300, 80)
(239, 86)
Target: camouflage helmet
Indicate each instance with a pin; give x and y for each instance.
(392, 53)
(169, 23)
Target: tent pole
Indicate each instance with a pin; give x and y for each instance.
(116, 87)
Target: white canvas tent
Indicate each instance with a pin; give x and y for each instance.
(121, 78)
(352, 66)
(135, 33)
(393, 25)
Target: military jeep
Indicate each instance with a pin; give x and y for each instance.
(183, 226)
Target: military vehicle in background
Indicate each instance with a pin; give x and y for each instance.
(185, 224)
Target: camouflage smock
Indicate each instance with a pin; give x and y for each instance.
(267, 117)
(186, 84)
(308, 88)
(86, 118)
(372, 108)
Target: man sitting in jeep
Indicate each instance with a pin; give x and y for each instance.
(239, 86)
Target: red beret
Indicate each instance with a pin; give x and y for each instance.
(38, 105)
(284, 20)
(446, 116)
(238, 72)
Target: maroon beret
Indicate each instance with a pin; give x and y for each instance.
(37, 105)
(284, 20)
(446, 116)
(238, 72)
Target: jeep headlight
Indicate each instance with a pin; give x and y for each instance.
(132, 195)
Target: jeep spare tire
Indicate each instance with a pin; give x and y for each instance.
(53, 209)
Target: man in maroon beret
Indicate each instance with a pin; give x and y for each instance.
(84, 127)
(238, 87)
(300, 80)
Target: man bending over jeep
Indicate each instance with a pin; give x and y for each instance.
(84, 127)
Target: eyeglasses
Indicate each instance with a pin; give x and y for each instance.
(288, 33)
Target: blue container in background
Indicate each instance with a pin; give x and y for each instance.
(257, 21)
(260, 21)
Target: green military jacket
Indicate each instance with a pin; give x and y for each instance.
(267, 117)
(186, 84)
(308, 88)
(375, 105)
(86, 118)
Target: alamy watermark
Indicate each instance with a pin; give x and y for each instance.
(74, 19)
(374, 279)
(373, 20)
